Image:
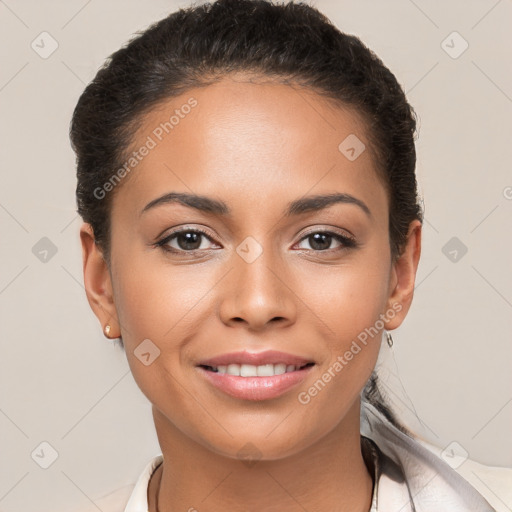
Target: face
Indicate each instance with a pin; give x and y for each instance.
(254, 266)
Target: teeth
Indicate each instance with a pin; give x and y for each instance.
(279, 369)
(266, 370)
(249, 370)
(233, 369)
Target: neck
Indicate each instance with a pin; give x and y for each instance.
(330, 475)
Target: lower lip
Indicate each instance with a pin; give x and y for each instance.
(255, 388)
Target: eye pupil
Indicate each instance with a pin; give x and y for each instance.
(319, 240)
(189, 237)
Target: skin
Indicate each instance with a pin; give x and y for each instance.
(256, 146)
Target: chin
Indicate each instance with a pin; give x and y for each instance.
(260, 445)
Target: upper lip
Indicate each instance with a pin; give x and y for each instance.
(256, 359)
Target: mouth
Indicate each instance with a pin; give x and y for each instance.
(255, 376)
(250, 370)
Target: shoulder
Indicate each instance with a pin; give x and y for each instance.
(129, 498)
(494, 483)
(114, 501)
(435, 478)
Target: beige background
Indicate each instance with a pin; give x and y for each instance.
(63, 383)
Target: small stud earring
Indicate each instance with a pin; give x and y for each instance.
(389, 339)
(107, 330)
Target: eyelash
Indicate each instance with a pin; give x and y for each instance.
(347, 242)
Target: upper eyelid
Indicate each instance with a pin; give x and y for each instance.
(334, 231)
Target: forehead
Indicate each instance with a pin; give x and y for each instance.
(246, 141)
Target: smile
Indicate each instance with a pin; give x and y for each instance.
(255, 383)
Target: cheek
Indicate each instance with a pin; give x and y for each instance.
(162, 304)
(152, 307)
(347, 298)
(351, 309)
(156, 300)
(348, 302)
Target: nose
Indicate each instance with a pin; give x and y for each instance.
(258, 294)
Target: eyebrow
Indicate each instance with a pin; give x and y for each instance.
(217, 207)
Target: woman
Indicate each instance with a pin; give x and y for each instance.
(252, 230)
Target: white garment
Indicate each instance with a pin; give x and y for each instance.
(413, 477)
(410, 476)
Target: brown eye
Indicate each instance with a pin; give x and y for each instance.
(322, 241)
(186, 240)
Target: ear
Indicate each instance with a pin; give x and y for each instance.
(403, 275)
(98, 282)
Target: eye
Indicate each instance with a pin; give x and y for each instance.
(186, 240)
(322, 240)
(192, 240)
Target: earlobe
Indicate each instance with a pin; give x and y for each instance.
(403, 277)
(98, 283)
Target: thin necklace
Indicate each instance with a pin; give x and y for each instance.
(157, 509)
